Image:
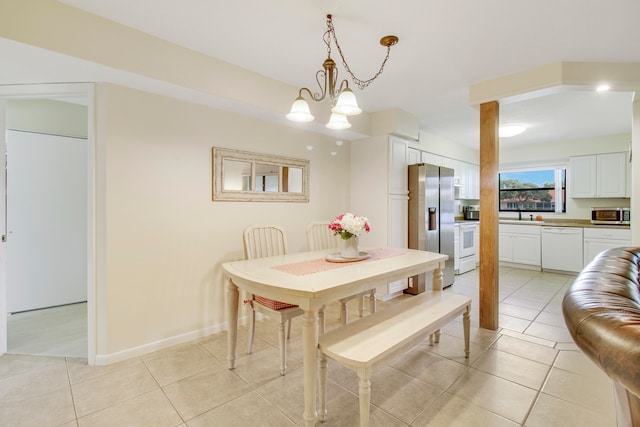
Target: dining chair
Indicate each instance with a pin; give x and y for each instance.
(320, 237)
(263, 241)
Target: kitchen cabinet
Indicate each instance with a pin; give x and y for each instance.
(432, 159)
(519, 244)
(599, 176)
(413, 156)
(597, 240)
(397, 165)
(472, 182)
(467, 180)
(379, 191)
(562, 248)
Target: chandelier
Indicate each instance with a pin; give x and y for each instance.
(343, 100)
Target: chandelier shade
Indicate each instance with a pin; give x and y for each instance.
(300, 111)
(347, 104)
(343, 100)
(338, 122)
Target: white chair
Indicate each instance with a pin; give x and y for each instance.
(263, 241)
(319, 237)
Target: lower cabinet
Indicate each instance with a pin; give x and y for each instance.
(597, 240)
(519, 244)
(568, 251)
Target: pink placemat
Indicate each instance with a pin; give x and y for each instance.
(317, 265)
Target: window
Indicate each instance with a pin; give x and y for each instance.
(535, 190)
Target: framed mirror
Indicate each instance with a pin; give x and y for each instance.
(252, 177)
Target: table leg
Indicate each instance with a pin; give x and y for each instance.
(232, 322)
(438, 278)
(310, 365)
(437, 286)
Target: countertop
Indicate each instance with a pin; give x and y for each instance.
(583, 223)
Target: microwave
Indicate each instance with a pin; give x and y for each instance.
(610, 216)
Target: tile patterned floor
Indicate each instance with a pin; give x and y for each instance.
(528, 373)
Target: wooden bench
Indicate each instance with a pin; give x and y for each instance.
(372, 340)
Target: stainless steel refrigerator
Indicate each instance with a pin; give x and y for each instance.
(431, 223)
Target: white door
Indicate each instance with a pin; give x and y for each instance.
(46, 220)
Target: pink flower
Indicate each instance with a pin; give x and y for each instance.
(348, 225)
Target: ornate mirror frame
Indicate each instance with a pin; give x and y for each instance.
(292, 177)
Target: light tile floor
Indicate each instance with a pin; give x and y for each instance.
(528, 373)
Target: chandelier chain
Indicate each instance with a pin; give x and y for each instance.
(359, 82)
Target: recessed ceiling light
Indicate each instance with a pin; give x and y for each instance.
(603, 87)
(506, 131)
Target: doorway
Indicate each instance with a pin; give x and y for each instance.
(58, 289)
(46, 241)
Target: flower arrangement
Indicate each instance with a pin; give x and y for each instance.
(348, 225)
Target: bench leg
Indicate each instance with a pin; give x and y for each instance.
(322, 386)
(437, 336)
(466, 324)
(364, 395)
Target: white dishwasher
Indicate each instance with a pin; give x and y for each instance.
(562, 248)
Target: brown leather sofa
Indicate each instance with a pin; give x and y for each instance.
(602, 311)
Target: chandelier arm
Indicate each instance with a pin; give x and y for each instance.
(344, 84)
(323, 89)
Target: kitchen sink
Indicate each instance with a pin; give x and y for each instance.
(520, 221)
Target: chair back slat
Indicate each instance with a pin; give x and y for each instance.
(320, 237)
(263, 240)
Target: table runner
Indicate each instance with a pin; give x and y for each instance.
(317, 265)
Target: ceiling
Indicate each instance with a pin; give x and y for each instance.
(445, 47)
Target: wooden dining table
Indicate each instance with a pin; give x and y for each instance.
(310, 281)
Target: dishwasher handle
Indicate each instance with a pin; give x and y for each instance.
(561, 230)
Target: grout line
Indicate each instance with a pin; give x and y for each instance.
(73, 399)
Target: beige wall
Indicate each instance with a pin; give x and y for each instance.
(159, 270)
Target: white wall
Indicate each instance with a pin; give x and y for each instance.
(161, 239)
(47, 116)
(438, 145)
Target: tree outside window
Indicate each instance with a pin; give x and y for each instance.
(533, 190)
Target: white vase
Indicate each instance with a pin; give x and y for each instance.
(349, 247)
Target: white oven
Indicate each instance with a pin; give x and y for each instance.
(467, 247)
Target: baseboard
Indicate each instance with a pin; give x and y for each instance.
(520, 266)
(107, 359)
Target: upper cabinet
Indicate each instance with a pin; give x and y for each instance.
(398, 165)
(413, 156)
(470, 182)
(599, 176)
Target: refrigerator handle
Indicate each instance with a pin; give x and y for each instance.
(432, 219)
